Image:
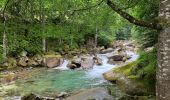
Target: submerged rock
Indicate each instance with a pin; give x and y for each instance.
(98, 93)
(62, 95)
(36, 97)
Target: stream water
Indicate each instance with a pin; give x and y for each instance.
(62, 79)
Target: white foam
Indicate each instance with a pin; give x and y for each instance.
(63, 66)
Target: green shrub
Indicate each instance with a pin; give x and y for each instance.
(104, 39)
(146, 68)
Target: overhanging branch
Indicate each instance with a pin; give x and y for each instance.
(131, 19)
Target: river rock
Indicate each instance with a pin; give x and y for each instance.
(36, 97)
(74, 65)
(98, 93)
(108, 50)
(87, 63)
(117, 57)
(130, 86)
(12, 62)
(76, 60)
(32, 62)
(52, 62)
(23, 61)
(97, 61)
(23, 54)
(111, 76)
(38, 58)
(62, 95)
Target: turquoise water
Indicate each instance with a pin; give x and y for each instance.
(59, 81)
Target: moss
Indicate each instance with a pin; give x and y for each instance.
(125, 69)
(132, 77)
(141, 72)
(51, 56)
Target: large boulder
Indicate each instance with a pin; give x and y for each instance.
(87, 63)
(84, 61)
(75, 63)
(128, 83)
(111, 76)
(52, 62)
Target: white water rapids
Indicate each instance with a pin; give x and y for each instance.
(98, 70)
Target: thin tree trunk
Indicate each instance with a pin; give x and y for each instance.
(44, 44)
(96, 36)
(4, 40)
(4, 33)
(42, 18)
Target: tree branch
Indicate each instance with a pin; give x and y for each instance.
(133, 20)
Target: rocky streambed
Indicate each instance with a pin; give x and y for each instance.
(77, 78)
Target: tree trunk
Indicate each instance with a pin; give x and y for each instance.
(163, 70)
(4, 41)
(44, 44)
(96, 35)
(42, 18)
(4, 33)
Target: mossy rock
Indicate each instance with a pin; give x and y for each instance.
(125, 69)
(128, 97)
(116, 73)
(111, 76)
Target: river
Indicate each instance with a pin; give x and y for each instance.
(62, 79)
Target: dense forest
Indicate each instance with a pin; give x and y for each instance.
(42, 35)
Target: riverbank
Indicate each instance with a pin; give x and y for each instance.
(136, 78)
